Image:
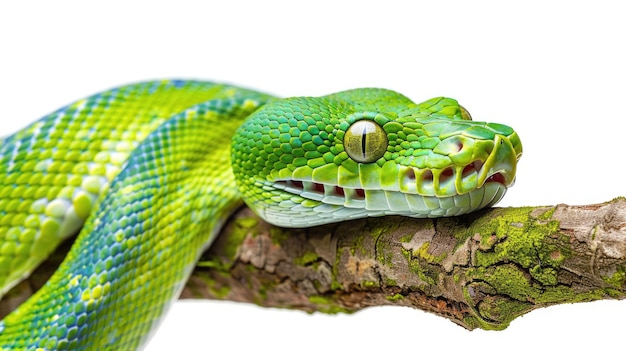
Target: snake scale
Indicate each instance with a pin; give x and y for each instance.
(147, 173)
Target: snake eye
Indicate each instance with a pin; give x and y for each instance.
(365, 141)
(465, 114)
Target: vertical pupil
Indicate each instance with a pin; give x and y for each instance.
(364, 141)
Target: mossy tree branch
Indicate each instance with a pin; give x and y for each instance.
(480, 271)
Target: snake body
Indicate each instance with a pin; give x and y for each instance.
(150, 171)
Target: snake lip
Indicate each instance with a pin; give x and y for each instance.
(318, 191)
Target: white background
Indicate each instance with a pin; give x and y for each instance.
(555, 71)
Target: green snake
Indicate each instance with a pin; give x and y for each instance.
(147, 173)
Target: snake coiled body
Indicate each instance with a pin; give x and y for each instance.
(148, 173)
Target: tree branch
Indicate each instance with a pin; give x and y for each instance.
(480, 270)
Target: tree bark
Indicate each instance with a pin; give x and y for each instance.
(480, 270)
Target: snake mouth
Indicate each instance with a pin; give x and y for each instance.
(496, 170)
(333, 203)
(397, 189)
(321, 192)
(425, 186)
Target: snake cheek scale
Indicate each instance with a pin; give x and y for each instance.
(147, 173)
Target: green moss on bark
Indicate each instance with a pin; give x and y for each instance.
(421, 267)
(306, 259)
(278, 235)
(327, 305)
(618, 278)
(396, 297)
(517, 265)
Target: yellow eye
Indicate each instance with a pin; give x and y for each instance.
(365, 141)
(465, 114)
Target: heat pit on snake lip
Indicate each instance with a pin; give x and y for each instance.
(446, 175)
(427, 176)
(496, 178)
(425, 185)
(299, 187)
(476, 166)
(443, 182)
(470, 169)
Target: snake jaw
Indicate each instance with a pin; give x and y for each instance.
(331, 192)
(323, 203)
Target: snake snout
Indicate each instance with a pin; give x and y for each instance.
(494, 161)
(501, 164)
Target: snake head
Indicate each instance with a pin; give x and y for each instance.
(370, 152)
